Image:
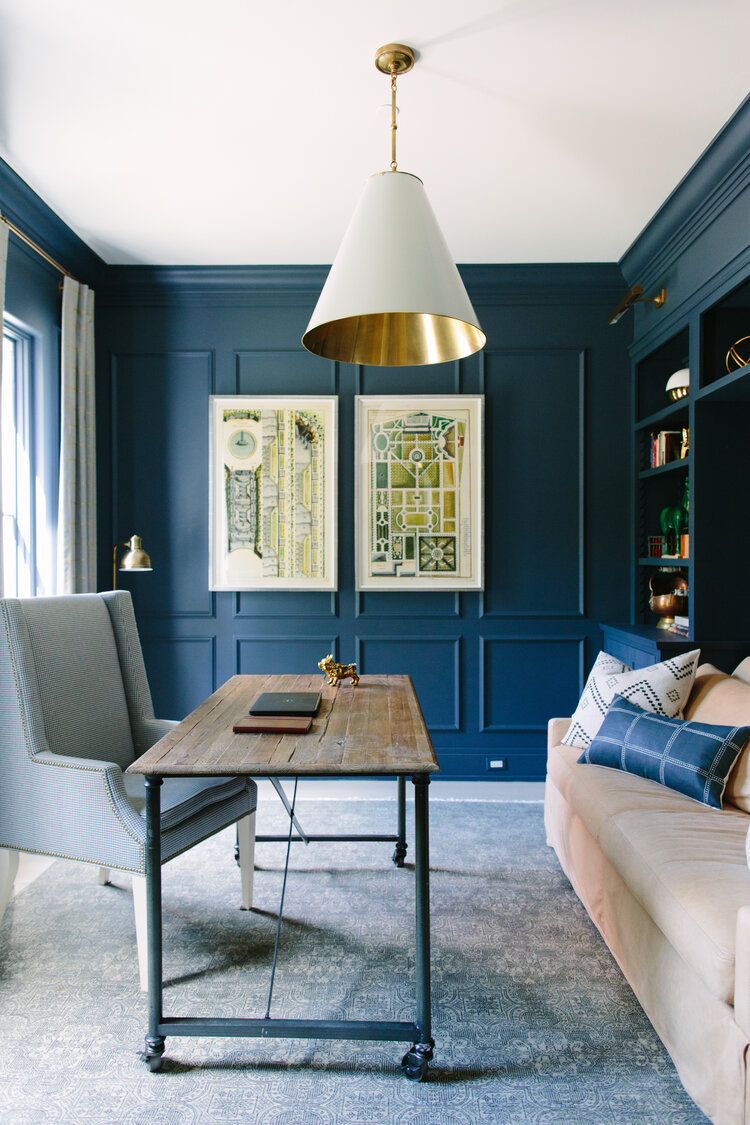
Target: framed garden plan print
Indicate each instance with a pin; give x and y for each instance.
(272, 492)
(419, 500)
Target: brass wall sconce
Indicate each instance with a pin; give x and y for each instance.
(135, 558)
(634, 296)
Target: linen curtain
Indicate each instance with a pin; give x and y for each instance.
(8, 858)
(3, 267)
(76, 515)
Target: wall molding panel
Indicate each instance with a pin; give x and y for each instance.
(280, 653)
(159, 423)
(376, 604)
(299, 372)
(434, 664)
(182, 671)
(535, 422)
(529, 678)
(284, 604)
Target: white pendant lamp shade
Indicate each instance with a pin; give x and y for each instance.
(393, 296)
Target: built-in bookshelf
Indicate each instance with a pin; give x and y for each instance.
(661, 428)
(691, 455)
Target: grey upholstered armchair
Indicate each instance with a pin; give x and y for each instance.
(75, 711)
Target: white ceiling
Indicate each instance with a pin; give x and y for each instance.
(172, 131)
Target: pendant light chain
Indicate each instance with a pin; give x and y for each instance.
(394, 126)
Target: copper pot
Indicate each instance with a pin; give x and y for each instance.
(669, 595)
(666, 606)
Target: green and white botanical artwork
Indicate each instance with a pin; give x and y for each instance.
(419, 492)
(273, 493)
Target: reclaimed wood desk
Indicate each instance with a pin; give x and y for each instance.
(376, 728)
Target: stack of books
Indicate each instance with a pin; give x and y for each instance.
(680, 625)
(666, 446)
(280, 712)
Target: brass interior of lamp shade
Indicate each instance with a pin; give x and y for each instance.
(395, 339)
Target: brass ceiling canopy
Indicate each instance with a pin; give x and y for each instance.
(395, 58)
(393, 296)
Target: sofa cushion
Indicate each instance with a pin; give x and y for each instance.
(719, 698)
(742, 671)
(693, 758)
(684, 863)
(662, 688)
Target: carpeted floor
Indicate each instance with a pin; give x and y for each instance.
(533, 1021)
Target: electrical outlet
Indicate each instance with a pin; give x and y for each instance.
(497, 763)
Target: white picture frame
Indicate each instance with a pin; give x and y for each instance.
(272, 492)
(419, 500)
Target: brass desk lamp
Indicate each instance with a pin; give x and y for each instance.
(135, 558)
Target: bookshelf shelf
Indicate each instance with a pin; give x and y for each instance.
(676, 466)
(664, 560)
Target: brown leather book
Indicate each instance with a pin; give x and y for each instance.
(273, 724)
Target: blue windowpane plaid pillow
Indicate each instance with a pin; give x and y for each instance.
(693, 758)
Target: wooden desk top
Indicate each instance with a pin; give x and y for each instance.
(374, 728)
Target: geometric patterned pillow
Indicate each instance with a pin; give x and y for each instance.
(692, 758)
(661, 688)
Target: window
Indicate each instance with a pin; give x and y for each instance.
(16, 444)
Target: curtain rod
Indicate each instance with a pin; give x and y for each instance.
(29, 242)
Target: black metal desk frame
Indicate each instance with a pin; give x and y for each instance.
(399, 852)
(413, 1064)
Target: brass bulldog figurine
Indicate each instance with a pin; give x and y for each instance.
(335, 673)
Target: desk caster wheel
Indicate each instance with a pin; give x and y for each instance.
(414, 1062)
(153, 1053)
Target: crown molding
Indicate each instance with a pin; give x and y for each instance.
(552, 283)
(211, 285)
(717, 177)
(514, 284)
(23, 207)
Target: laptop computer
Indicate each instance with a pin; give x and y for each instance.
(286, 703)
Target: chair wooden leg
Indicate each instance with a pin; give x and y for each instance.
(141, 940)
(8, 869)
(103, 876)
(246, 841)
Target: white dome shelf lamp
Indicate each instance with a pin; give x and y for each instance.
(393, 296)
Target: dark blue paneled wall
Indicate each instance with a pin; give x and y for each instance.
(490, 668)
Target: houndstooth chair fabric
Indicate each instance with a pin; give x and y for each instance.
(75, 711)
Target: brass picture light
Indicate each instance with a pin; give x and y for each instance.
(634, 296)
(135, 558)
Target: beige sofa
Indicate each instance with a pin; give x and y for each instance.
(666, 881)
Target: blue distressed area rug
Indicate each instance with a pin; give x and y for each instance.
(533, 1022)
